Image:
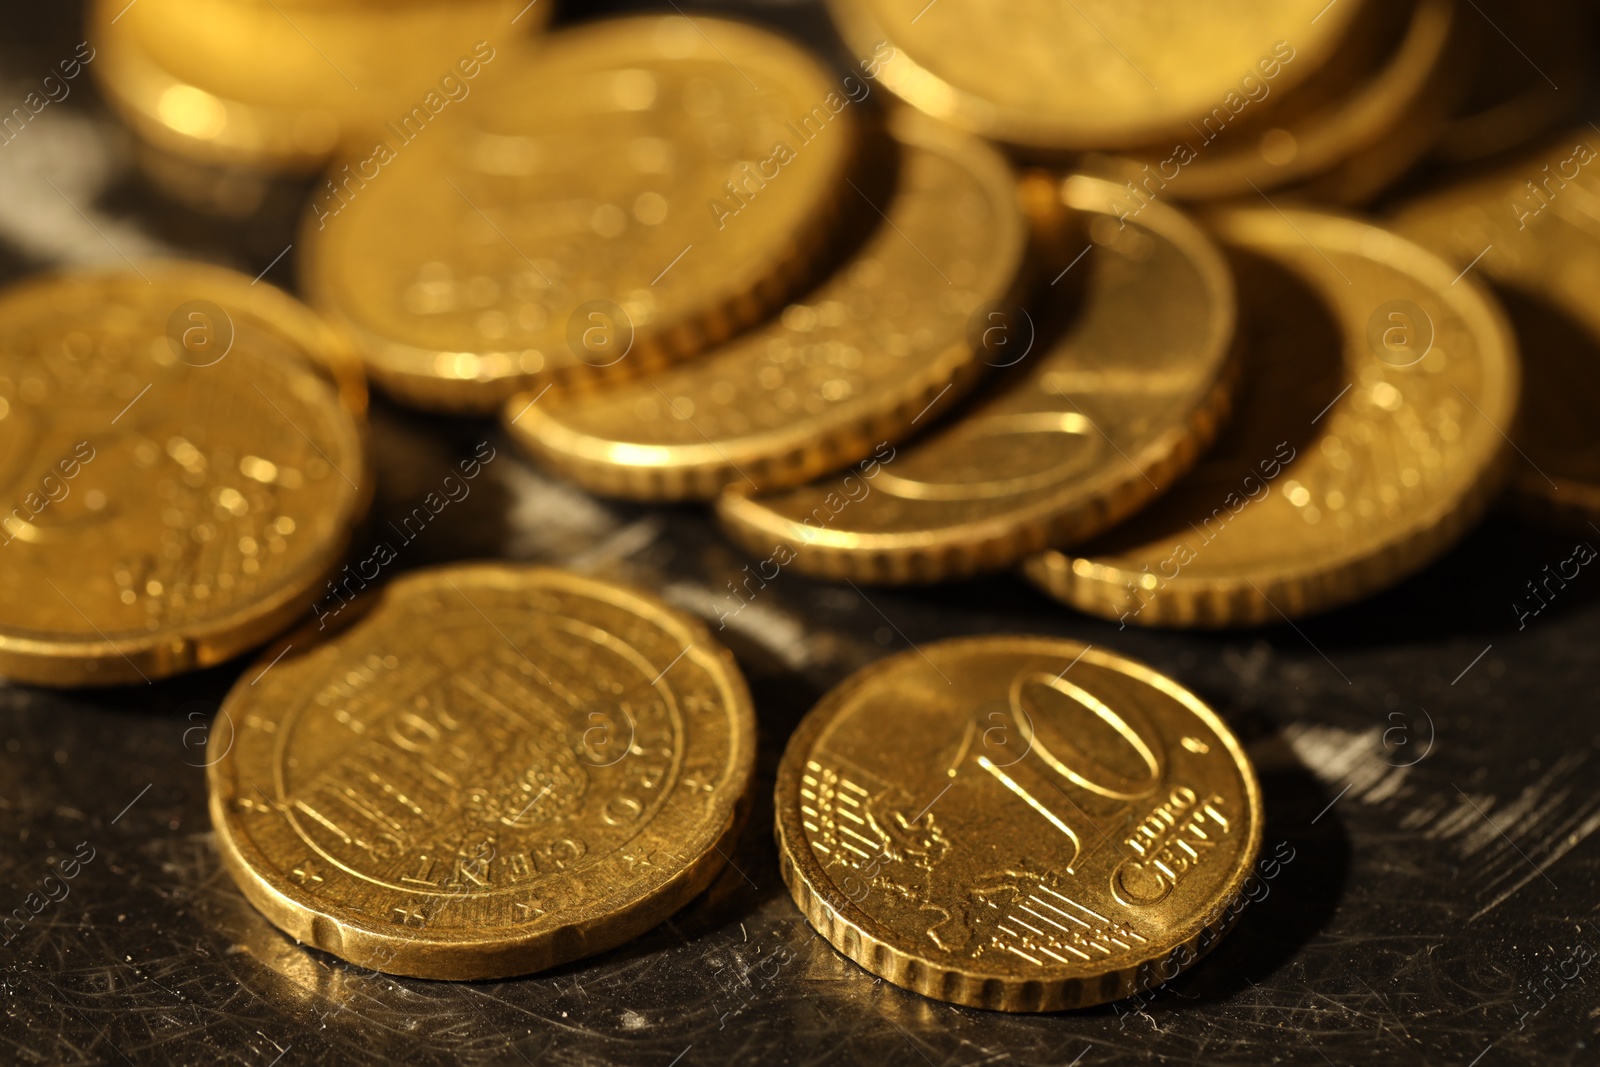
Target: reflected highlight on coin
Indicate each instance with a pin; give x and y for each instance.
(495, 770)
(1016, 823)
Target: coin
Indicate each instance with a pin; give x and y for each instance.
(634, 192)
(1344, 138)
(278, 86)
(1367, 436)
(885, 343)
(1016, 823)
(495, 769)
(181, 459)
(1092, 74)
(1080, 436)
(1533, 229)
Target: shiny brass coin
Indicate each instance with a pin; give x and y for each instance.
(1082, 435)
(1533, 230)
(1345, 139)
(887, 341)
(279, 86)
(634, 192)
(1017, 823)
(494, 770)
(1092, 74)
(1366, 438)
(181, 459)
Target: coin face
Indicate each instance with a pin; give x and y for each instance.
(1090, 74)
(181, 459)
(885, 342)
(1367, 436)
(1540, 246)
(636, 190)
(1084, 431)
(495, 770)
(281, 86)
(1016, 823)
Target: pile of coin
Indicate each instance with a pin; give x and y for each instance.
(1014, 286)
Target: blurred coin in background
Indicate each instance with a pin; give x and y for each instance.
(181, 461)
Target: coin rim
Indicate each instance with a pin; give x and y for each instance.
(358, 940)
(851, 930)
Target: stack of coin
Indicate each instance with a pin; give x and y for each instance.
(227, 94)
(1211, 101)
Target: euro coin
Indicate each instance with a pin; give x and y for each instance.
(1096, 74)
(882, 345)
(1085, 430)
(1017, 823)
(279, 87)
(182, 460)
(1368, 435)
(485, 771)
(1533, 230)
(635, 191)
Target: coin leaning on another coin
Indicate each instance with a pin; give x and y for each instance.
(1016, 823)
(493, 770)
(1368, 435)
(885, 343)
(1089, 426)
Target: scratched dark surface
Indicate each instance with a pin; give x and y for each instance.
(1431, 768)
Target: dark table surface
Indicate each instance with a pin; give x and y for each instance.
(1432, 768)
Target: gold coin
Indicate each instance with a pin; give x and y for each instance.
(1091, 74)
(1366, 438)
(279, 86)
(887, 341)
(637, 190)
(1344, 138)
(1083, 434)
(1533, 229)
(493, 770)
(1017, 823)
(181, 459)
